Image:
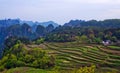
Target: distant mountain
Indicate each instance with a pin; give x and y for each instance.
(45, 24)
(74, 23)
(31, 23)
(9, 22)
(35, 24)
(20, 28)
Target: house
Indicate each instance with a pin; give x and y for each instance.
(106, 42)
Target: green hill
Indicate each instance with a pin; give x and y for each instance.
(69, 57)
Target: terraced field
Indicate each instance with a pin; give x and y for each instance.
(74, 55)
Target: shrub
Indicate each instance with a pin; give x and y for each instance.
(90, 69)
(39, 41)
(20, 64)
(11, 63)
(1, 68)
(28, 58)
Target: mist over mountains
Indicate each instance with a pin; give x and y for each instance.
(9, 22)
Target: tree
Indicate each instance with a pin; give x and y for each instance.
(114, 39)
(28, 58)
(97, 40)
(39, 41)
(84, 38)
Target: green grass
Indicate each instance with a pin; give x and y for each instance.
(28, 70)
(25, 70)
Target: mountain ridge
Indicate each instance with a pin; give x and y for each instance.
(9, 22)
(111, 23)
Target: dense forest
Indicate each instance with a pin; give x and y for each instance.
(107, 29)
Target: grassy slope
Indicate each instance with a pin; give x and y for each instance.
(75, 55)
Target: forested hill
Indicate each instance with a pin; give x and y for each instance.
(22, 28)
(108, 23)
(100, 30)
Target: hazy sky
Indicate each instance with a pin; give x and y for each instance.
(60, 11)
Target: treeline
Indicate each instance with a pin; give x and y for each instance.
(84, 34)
(87, 31)
(108, 23)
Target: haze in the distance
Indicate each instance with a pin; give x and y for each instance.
(60, 11)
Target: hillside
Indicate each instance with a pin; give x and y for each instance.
(74, 55)
(71, 56)
(76, 47)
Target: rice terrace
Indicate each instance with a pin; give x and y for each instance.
(59, 36)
